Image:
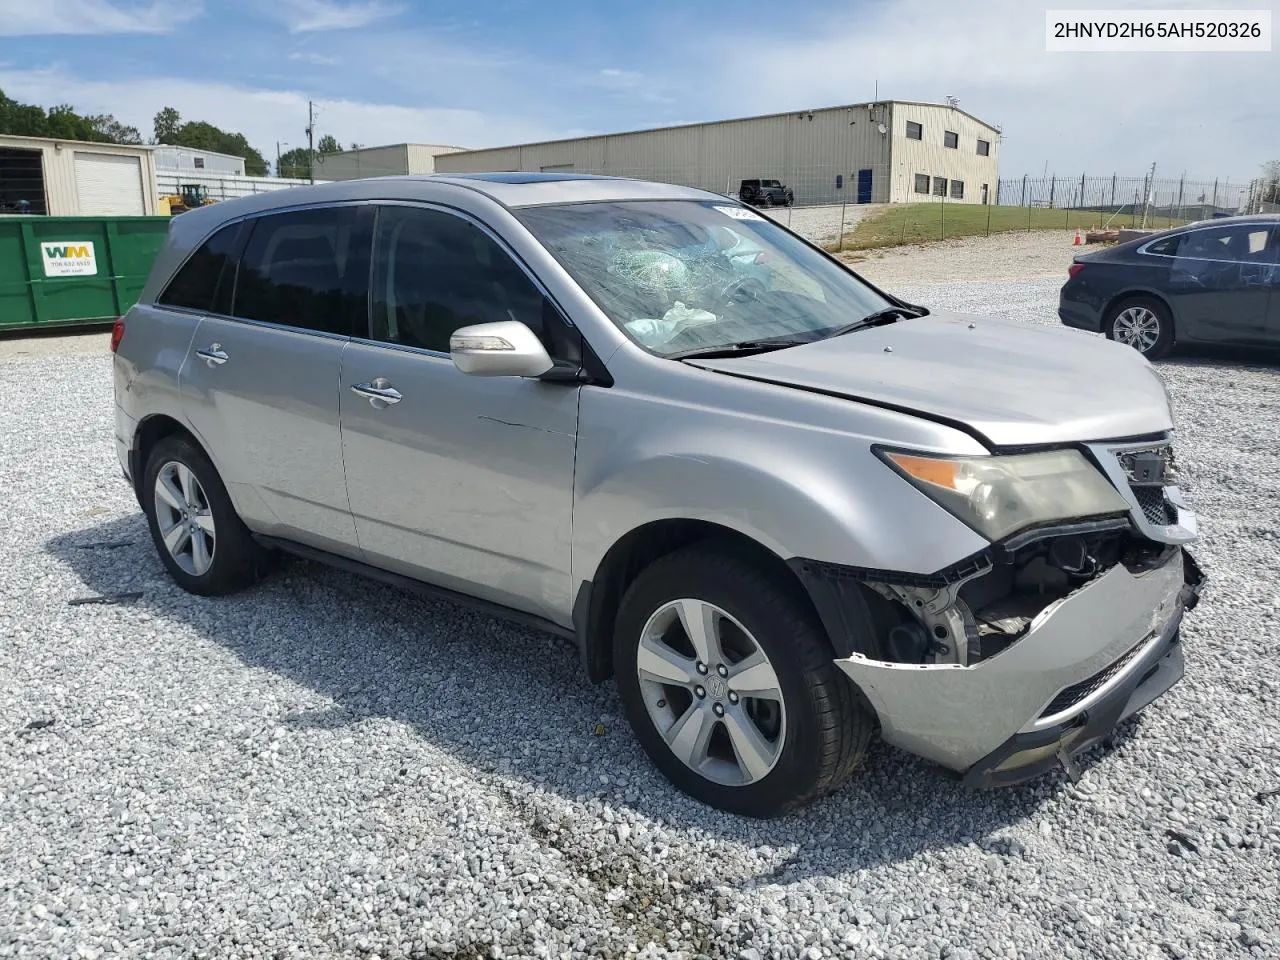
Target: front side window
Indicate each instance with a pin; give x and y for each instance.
(206, 279)
(308, 269)
(681, 275)
(951, 139)
(922, 183)
(435, 272)
(914, 131)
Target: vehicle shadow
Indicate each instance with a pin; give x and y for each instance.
(513, 702)
(1204, 354)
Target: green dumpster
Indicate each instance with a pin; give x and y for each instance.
(67, 271)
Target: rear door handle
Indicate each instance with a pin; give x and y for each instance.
(379, 392)
(213, 355)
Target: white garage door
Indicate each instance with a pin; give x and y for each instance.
(109, 185)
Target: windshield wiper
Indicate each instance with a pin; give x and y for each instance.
(737, 349)
(880, 317)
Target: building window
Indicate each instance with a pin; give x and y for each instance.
(914, 131)
(950, 139)
(984, 148)
(922, 183)
(939, 186)
(199, 162)
(957, 189)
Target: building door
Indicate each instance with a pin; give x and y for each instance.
(984, 194)
(109, 185)
(864, 186)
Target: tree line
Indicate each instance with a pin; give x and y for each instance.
(64, 123)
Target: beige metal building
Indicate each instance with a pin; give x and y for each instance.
(892, 151)
(75, 178)
(395, 160)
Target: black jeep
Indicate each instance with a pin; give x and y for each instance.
(765, 193)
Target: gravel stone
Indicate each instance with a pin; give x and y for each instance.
(324, 767)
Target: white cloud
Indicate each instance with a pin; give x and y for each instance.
(307, 16)
(266, 115)
(1212, 114)
(34, 18)
(318, 59)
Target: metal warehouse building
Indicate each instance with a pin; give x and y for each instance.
(170, 159)
(75, 178)
(397, 159)
(891, 151)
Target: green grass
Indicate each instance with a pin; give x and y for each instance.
(922, 222)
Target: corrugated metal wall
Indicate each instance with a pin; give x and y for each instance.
(808, 151)
(819, 154)
(421, 156)
(184, 159)
(58, 160)
(930, 155)
(387, 161)
(394, 160)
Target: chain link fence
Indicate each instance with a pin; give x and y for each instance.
(1129, 201)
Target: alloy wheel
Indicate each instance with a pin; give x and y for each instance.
(711, 692)
(1137, 327)
(185, 518)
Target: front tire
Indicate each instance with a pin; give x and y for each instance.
(1141, 323)
(201, 540)
(729, 682)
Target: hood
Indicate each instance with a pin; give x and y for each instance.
(1012, 384)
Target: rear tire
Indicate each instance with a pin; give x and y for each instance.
(201, 540)
(760, 756)
(1143, 323)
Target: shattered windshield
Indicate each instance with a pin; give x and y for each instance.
(689, 275)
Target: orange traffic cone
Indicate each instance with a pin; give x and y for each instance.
(1078, 240)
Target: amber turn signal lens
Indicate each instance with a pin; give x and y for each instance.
(942, 473)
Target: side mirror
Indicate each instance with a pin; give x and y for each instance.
(507, 348)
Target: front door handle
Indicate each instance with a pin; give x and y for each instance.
(379, 392)
(213, 355)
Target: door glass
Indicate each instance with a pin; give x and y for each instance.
(308, 269)
(1235, 244)
(435, 272)
(206, 279)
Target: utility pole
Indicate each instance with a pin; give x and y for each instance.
(1146, 201)
(311, 139)
(278, 173)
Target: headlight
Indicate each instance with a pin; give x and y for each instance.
(998, 496)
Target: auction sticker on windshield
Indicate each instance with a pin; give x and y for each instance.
(739, 213)
(69, 258)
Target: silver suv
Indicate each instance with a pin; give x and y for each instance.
(779, 506)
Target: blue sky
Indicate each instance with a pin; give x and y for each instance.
(486, 74)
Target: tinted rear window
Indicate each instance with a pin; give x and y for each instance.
(309, 269)
(206, 279)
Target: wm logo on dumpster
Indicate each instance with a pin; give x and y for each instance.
(71, 258)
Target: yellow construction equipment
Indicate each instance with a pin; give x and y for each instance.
(191, 195)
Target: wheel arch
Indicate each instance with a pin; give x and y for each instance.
(596, 603)
(149, 432)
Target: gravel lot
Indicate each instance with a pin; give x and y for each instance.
(324, 767)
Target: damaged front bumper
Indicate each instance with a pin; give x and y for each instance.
(1087, 661)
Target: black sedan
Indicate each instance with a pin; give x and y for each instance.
(1214, 282)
